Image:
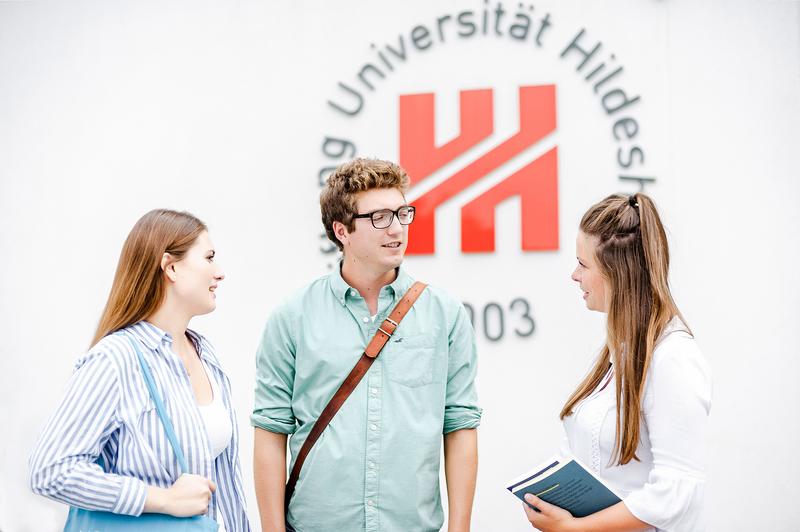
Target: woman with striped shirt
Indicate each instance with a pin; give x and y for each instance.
(166, 276)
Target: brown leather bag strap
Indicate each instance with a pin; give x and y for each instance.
(369, 355)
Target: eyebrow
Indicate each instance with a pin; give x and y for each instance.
(390, 208)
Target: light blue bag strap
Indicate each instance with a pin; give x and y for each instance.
(162, 413)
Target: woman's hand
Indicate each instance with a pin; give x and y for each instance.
(550, 518)
(188, 496)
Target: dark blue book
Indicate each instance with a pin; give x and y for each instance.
(566, 483)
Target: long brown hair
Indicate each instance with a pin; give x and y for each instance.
(138, 287)
(633, 256)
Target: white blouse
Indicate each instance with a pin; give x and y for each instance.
(666, 487)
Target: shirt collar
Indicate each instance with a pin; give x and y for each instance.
(340, 288)
(401, 285)
(150, 335)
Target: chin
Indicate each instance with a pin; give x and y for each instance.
(394, 262)
(596, 309)
(207, 309)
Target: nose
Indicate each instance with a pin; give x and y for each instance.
(576, 276)
(219, 276)
(395, 227)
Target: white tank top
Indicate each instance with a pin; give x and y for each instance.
(216, 418)
(218, 426)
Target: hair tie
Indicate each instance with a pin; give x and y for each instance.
(632, 201)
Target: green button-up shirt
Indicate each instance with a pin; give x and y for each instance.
(376, 466)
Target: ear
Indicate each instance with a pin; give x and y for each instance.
(168, 266)
(341, 232)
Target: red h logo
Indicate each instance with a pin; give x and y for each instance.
(536, 183)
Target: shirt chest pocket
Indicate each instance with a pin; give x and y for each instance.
(142, 414)
(411, 360)
(147, 420)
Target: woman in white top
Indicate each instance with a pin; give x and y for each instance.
(639, 417)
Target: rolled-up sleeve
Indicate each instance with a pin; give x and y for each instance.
(63, 463)
(275, 366)
(676, 408)
(461, 409)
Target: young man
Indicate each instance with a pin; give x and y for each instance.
(376, 466)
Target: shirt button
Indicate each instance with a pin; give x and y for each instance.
(372, 465)
(370, 503)
(373, 426)
(373, 391)
(365, 319)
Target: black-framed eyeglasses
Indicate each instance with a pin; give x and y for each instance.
(383, 218)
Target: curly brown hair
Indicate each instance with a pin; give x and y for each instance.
(337, 201)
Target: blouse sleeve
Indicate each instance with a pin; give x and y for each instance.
(62, 465)
(676, 406)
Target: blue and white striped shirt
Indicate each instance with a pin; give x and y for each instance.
(107, 411)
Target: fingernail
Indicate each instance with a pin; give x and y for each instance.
(529, 497)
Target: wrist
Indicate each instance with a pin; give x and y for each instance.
(156, 500)
(457, 525)
(577, 524)
(273, 525)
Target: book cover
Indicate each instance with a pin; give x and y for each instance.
(566, 483)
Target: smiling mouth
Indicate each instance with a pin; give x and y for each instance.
(392, 245)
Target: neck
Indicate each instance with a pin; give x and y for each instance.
(367, 282)
(171, 319)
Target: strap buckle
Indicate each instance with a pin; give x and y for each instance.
(384, 331)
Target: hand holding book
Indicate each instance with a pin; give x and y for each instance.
(564, 484)
(547, 517)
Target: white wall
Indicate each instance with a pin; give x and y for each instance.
(109, 109)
